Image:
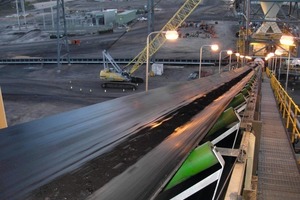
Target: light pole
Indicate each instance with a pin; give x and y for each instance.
(242, 60)
(237, 59)
(269, 56)
(229, 52)
(18, 15)
(170, 35)
(289, 41)
(279, 53)
(213, 47)
(275, 65)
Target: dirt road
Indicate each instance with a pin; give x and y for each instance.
(32, 92)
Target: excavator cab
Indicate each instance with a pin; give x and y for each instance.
(110, 74)
(114, 76)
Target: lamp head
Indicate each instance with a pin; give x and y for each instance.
(171, 35)
(287, 40)
(229, 52)
(278, 52)
(214, 47)
(271, 54)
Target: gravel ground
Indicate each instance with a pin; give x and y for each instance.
(32, 92)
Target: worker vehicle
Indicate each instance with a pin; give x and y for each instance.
(117, 77)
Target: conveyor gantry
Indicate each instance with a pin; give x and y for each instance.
(36, 154)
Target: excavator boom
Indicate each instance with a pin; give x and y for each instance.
(114, 75)
(173, 24)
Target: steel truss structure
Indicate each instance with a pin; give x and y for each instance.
(263, 23)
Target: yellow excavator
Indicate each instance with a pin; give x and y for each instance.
(116, 77)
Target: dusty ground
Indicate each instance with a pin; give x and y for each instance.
(36, 92)
(32, 92)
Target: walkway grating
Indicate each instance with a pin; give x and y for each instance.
(278, 175)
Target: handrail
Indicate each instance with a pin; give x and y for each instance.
(287, 107)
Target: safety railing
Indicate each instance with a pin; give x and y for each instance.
(288, 108)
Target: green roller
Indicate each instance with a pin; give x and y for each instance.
(245, 92)
(237, 100)
(252, 80)
(199, 159)
(250, 83)
(248, 87)
(226, 118)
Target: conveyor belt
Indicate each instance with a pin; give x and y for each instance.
(37, 153)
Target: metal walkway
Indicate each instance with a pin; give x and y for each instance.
(278, 175)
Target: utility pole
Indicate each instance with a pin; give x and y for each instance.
(247, 42)
(24, 12)
(18, 15)
(150, 13)
(62, 38)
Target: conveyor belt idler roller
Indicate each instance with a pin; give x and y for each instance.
(199, 159)
(237, 100)
(226, 118)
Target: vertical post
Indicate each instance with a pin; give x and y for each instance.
(230, 61)
(242, 60)
(273, 65)
(200, 62)
(279, 70)
(24, 12)
(52, 17)
(18, 15)
(247, 27)
(220, 61)
(3, 122)
(61, 40)
(287, 71)
(44, 24)
(150, 16)
(275, 68)
(65, 37)
(147, 61)
(58, 33)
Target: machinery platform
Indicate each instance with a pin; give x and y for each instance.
(278, 173)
